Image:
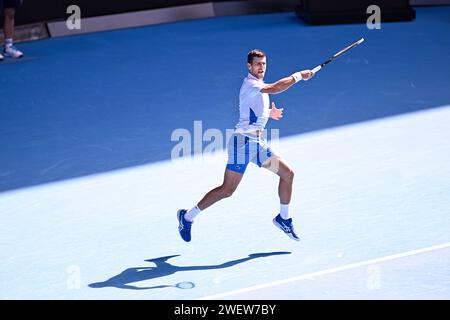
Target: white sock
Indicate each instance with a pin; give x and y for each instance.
(284, 211)
(8, 42)
(191, 214)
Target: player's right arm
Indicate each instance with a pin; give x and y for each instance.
(285, 83)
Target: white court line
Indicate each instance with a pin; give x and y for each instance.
(327, 271)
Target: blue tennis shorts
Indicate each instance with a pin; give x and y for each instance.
(245, 149)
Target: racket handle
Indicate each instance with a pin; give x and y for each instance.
(316, 69)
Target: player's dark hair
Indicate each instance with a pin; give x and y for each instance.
(255, 53)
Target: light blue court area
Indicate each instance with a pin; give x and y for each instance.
(89, 192)
(417, 274)
(364, 191)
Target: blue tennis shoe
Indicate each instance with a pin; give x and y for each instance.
(286, 226)
(184, 226)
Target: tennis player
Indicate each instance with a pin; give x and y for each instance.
(248, 145)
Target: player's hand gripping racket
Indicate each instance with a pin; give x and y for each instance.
(340, 53)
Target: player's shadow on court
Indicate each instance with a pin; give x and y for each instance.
(163, 268)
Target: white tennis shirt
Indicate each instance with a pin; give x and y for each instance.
(254, 106)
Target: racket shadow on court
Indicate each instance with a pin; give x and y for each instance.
(163, 268)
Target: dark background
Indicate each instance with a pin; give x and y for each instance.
(53, 10)
(49, 10)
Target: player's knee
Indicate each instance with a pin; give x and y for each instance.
(227, 191)
(289, 175)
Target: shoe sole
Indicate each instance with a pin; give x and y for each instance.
(281, 228)
(179, 218)
(7, 55)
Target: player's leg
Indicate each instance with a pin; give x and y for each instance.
(231, 181)
(8, 28)
(280, 167)
(236, 166)
(8, 22)
(238, 160)
(186, 217)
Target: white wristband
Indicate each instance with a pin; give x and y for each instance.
(297, 76)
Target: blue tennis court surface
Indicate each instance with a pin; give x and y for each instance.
(89, 192)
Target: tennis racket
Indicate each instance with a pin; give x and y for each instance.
(340, 53)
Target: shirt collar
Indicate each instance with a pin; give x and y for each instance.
(253, 77)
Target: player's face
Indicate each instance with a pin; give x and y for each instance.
(258, 67)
